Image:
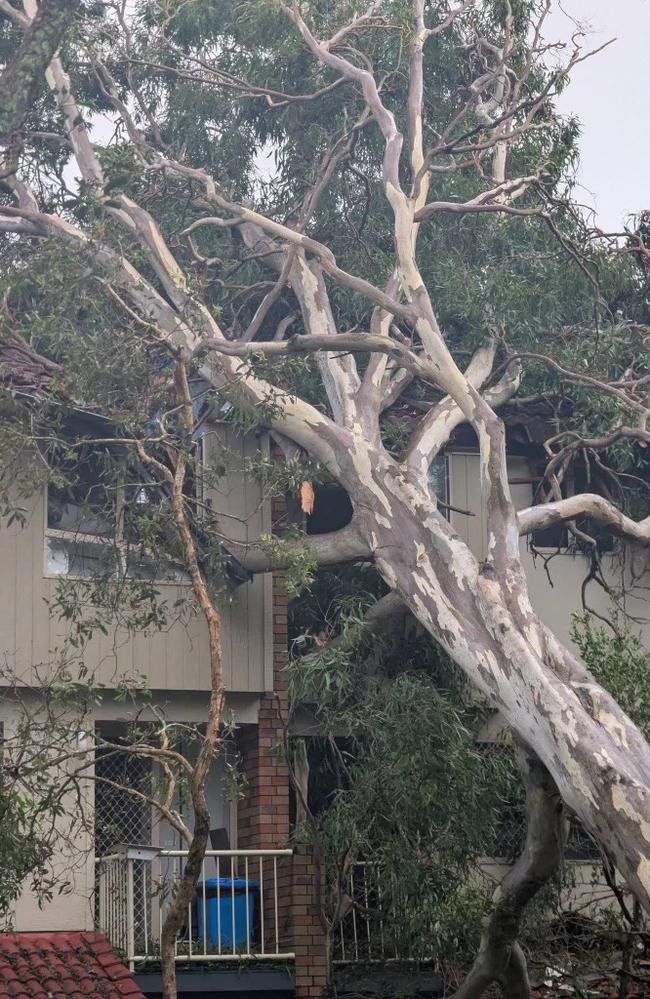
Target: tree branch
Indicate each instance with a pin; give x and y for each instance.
(334, 548)
(500, 957)
(21, 79)
(591, 505)
(436, 427)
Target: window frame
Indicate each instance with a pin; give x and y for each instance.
(120, 545)
(580, 847)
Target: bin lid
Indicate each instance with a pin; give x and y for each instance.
(227, 883)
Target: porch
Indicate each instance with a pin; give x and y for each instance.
(241, 911)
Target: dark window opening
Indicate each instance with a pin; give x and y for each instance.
(82, 499)
(510, 831)
(104, 514)
(439, 480)
(558, 535)
(332, 509)
(328, 761)
(580, 844)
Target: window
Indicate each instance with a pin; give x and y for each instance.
(558, 536)
(82, 504)
(81, 559)
(96, 519)
(123, 780)
(83, 498)
(580, 844)
(510, 832)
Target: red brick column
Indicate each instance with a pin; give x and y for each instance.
(263, 817)
(263, 812)
(310, 942)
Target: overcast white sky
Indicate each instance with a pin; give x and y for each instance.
(610, 95)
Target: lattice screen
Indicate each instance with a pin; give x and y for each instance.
(511, 828)
(121, 817)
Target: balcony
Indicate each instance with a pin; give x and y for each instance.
(239, 912)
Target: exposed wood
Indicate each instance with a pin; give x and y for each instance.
(478, 609)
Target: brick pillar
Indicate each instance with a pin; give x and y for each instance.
(263, 813)
(309, 939)
(263, 817)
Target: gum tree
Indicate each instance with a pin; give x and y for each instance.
(153, 257)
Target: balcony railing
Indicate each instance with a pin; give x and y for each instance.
(363, 935)
(383, 923)
(238, 913)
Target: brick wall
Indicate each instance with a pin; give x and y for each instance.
(309, 940)
(263, 815)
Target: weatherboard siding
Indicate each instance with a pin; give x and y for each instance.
(32, 635)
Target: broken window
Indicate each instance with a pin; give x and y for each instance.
(97, 510)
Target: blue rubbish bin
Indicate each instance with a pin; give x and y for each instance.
(226, 909)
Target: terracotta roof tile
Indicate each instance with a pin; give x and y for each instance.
(62, 965)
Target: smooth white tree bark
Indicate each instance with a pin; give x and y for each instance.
(479, 612)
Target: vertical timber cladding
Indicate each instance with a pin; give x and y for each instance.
(465, 494)
(236, 497)
(29, 630)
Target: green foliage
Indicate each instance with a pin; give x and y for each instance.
(417, 801)
(99, 604)
(21, 851)
(300, 561)
(396, 778)
(621, 663)
(404, 708)
(487, 274)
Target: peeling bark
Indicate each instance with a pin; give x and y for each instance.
(335, 548)
(536, 518)
(480, 613)
(483, 618)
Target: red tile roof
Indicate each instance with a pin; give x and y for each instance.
(60, 965)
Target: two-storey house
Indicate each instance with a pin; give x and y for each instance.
(255, 921)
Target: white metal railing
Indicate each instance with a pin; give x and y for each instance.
(362, 934)
(236, 912)
(378, 925)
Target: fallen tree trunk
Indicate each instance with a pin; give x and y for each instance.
(484, 620)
